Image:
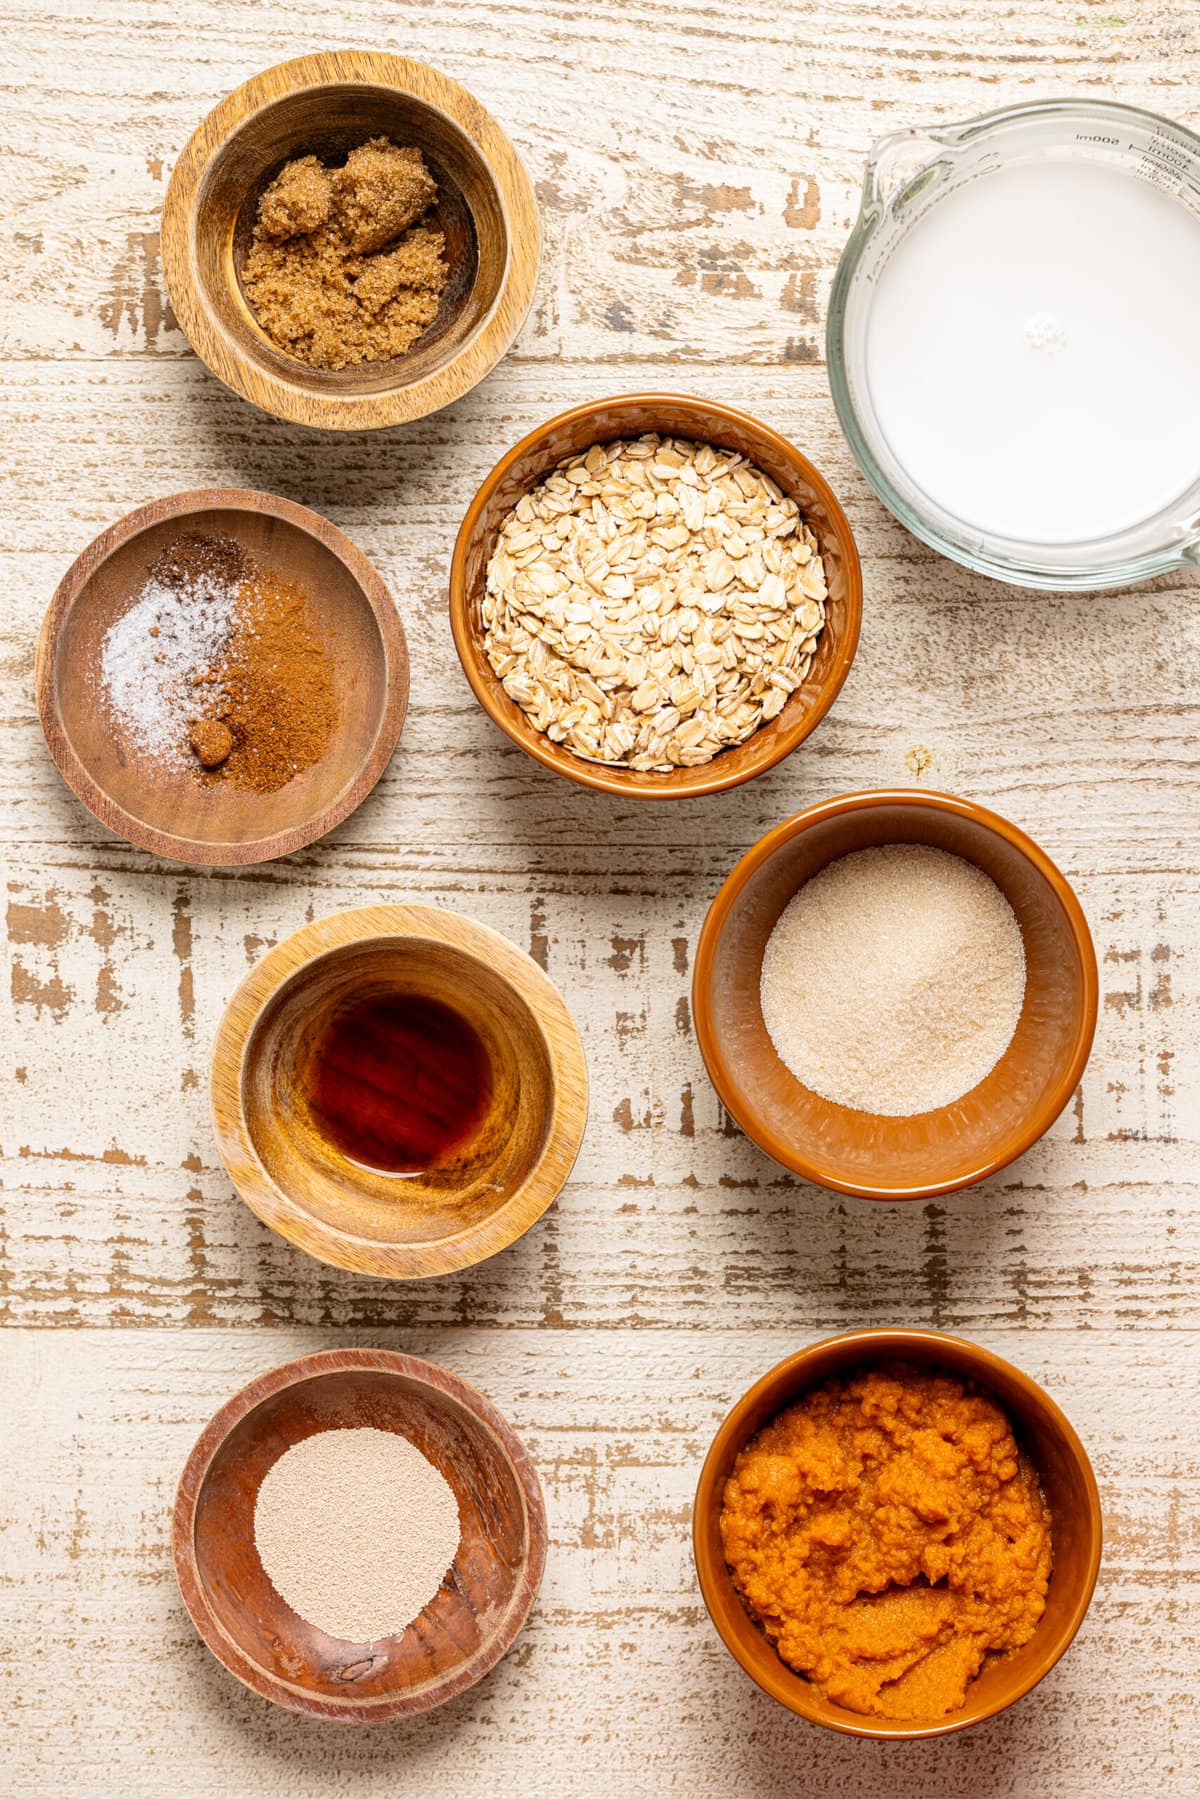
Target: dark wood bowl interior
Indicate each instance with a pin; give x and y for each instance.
(882, 1157)
(169, 810)
(329, 122)
(361, 1202)
(480, 1606)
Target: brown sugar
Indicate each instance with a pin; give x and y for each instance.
(342, 268)
(889, 1536)
(298, 200)
(379, 192)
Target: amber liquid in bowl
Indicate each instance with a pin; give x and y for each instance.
(398, 1082)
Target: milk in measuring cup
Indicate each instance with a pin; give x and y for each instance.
(1033, 351)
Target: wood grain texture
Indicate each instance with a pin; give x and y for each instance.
(697, 172)
(302, 1185)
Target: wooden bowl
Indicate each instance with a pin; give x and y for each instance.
(601, 421)
(859, 1152)
(170, 812)
(304, 1187)
(482, 1604)
(1040, 1427)
(326, 105)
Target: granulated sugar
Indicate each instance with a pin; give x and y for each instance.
(356, 1531)
(893, 981)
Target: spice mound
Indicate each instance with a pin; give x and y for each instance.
(356, 1531)
(889, 1536)
(344, 267)
(216, 668)
(652, 602)
(893, 981)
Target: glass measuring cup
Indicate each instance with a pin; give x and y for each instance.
(907, 174)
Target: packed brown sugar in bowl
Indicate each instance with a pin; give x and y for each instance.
(889, 1536)
(344, 266)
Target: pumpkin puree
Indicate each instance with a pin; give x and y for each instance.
(888, 1535)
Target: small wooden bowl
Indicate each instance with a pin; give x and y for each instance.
(326, 105)
(1040, 1427)
(399, 1227)
(859, 1152)
(170, 812)
(601, 421)
(485, 1599)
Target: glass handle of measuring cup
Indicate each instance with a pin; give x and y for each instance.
(894, 161)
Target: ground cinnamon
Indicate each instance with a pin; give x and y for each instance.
(272, 692)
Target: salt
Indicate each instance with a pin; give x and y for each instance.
(893, 981)
(154, 656)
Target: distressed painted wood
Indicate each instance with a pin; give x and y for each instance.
(697, 171)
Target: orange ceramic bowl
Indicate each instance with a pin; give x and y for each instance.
(860, 1152)
(1042, 1430)
(602, 421)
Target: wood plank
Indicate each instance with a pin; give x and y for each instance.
(698, 169)
(619, 1682)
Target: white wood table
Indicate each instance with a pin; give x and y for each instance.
(697, 166)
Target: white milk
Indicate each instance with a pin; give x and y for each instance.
(1033, 351)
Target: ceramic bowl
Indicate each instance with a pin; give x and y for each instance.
(302, 1184)
(933, 1152)
(601, 421)
(168, 811)
(1041, 1429)
(484, 1600)
(326, 105)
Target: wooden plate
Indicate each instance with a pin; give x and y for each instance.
(481, 1606)
(170, 812)
(400, 1227)
(327, 105)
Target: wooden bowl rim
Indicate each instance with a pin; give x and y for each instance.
(778, 1387)
(291, 398)
(218, 1429)
(366, 1255)
(358, 784)
(682, 783)
(1041, 1117)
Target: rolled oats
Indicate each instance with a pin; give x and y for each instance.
(653, 601)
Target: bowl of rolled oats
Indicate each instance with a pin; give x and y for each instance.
(656, 596)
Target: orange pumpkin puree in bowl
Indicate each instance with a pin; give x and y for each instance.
(889, 1536)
